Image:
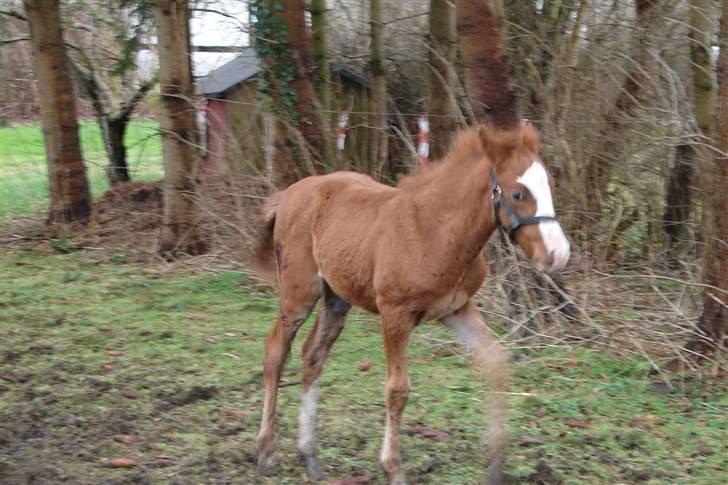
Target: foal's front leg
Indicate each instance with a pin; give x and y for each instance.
(396, 329)
(493, 359)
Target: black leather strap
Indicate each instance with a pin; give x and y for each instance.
(514, 221)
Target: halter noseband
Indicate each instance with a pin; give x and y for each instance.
(514, 221)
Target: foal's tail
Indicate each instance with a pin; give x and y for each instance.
(263, 261)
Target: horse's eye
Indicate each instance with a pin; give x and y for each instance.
(519, 196)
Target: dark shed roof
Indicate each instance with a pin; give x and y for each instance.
(240, 69)
(245, 67)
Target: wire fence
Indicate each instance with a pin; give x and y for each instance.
(635, 121)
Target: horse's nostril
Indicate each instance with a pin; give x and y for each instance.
(552, 257)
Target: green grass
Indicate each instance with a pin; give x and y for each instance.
(23, 173)
(192, 347)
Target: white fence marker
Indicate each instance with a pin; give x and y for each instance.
(341, 132)
(423, 144)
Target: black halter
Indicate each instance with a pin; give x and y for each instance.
(514, 221)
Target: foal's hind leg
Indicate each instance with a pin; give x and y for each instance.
(300, 288)
(493, 359)
(329, 323)
(396, 328)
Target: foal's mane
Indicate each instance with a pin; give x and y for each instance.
(472, 145)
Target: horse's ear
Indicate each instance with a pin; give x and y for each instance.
(485, 132)
(467, 144)
(499, 145)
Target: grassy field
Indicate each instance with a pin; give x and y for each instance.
(23, 174)
(101, 360)
(92, 350)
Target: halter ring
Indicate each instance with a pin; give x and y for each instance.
(497, 191)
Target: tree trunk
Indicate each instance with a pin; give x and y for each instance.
(305, 106)
(488, 85)
(320, 53)
(442, 105)
(678, 198)
(684, 171)
(70, 199)
(285, 50)
(180, 230)
(118, 169)
(112, 130)
(487, 71)
(635, 89)
(378, 100)
(714, 320)
(111, 109)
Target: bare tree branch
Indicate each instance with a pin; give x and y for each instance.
(15, 14)
(14, 40)
(128, 105)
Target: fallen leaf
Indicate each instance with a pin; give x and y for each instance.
(543, 474)
(108, 366)
(646, 421)
(578, 424)
(8, 377)
(702, 451)
(528, 441)
(427, 432)
(130, 394)
(352, 481)
(365, 365)
(542, 411)
(420, 361)
(57, 321)
(122, 463)
(114, 353)
(234, 413)
(128, 439)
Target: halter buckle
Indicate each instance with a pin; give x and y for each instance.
(496, 193)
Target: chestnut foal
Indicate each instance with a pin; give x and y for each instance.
(411, 253)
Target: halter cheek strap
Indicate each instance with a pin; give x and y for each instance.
(514, 221)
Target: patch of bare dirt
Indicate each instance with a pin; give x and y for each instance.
(126, 221)
(183, 397)
(130, 215)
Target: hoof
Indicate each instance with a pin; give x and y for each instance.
(266, 466)
(495, 473)
(314, 471)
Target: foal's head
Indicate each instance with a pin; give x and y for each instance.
(521, 191)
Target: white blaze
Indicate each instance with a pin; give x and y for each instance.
(536, 180)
